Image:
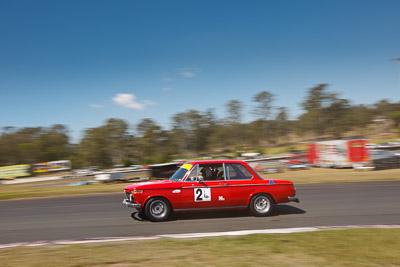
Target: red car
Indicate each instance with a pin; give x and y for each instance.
(209, 185)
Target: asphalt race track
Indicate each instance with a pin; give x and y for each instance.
(103, 215)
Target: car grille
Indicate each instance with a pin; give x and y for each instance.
(129, 196)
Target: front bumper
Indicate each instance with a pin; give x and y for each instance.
(128, 204)
(294, 199)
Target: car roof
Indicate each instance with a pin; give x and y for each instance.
(215, 161)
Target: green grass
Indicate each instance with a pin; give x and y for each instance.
(24, 191)
(356, 247)
(324, 175)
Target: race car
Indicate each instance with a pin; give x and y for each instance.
(209, 185)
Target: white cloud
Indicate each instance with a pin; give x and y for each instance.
(167, 79)
(129, 101)
(188, 72)
(96, 106)
(167, 89)
(148, 103)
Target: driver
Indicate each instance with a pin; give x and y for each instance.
(206, 172)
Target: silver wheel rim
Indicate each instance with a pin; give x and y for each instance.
(158, 208)
(262, 204)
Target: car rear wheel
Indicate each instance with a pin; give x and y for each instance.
(261, 205)
(157, 209)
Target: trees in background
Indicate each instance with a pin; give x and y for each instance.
(232, 128)
(193, 132)
(152, 144)
(34, 144)
(263, 106)
(325, 113)
(283, 128)
(105, 146)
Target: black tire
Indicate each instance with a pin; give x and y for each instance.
(261, 205)
(157, 209)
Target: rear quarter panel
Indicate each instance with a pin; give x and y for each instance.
(279, 192)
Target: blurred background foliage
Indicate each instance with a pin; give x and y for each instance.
(199, 133)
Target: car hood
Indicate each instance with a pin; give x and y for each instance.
(154, 185)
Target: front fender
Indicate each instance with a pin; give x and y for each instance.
(156, 195)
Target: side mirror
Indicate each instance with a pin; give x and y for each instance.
(200, 180)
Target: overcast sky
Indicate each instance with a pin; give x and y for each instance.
(80, 62)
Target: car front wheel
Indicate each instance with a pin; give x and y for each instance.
(157, 209)
(261, 205)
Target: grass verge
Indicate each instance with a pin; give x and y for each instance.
(355, 247)
(324, 175)
(24, 191)
(314, 175)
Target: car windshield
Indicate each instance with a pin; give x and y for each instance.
(180, 173)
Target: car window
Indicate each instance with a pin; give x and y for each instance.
(208, 172)
(212, 172)
(237, 171)
(193, 175)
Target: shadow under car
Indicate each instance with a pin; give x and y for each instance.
(279, 210)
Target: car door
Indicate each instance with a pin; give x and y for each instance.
(240, 183)
(200, 190)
